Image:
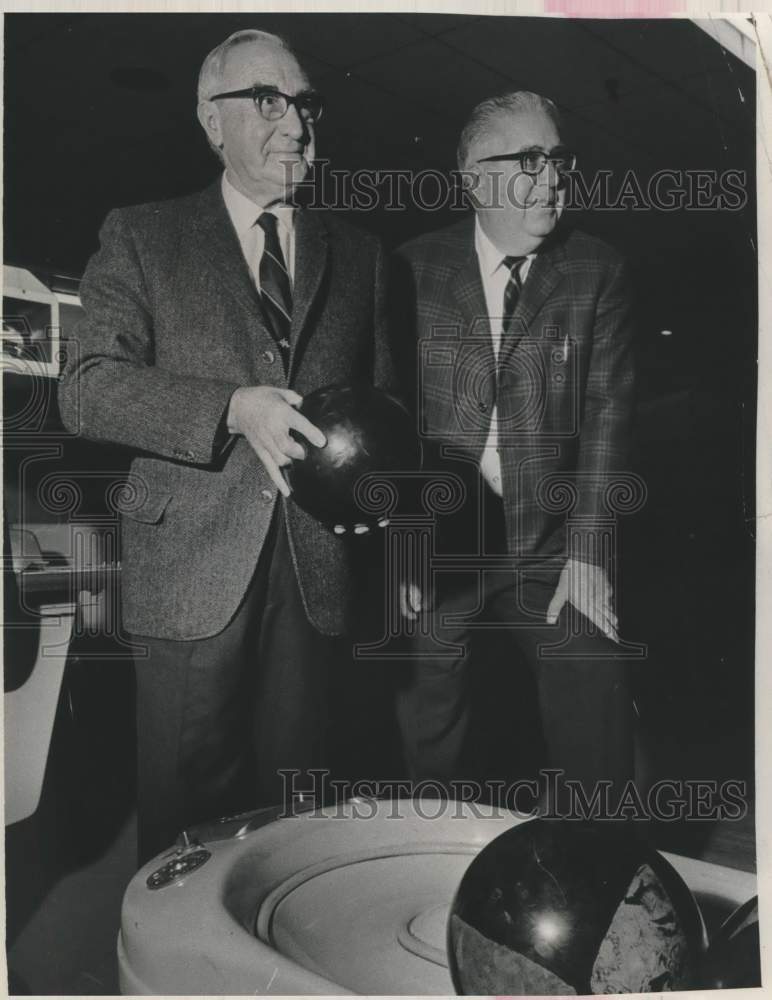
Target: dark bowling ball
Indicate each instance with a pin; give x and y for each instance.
(367, 431)
(557, 908)
(733, 960)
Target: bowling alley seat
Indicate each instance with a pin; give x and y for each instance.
(55, 574)
(38, 627)
(347, 899)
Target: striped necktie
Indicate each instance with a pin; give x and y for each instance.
(275, 290)
(512, 291)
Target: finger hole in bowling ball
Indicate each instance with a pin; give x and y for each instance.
(368, 431)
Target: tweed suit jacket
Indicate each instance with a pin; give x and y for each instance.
(173, 325)
(563, 384)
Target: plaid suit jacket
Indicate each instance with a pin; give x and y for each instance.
(563, 385)
(173, 325)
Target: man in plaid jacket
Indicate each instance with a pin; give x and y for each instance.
(524, 374)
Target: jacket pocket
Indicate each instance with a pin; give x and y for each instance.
(151, 511)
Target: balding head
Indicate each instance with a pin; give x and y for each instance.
(487, 112)
(212, 72)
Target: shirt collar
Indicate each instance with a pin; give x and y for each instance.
(490, 257)
(244, 212)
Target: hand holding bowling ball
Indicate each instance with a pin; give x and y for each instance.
(366, 430)
(267, 415)
(559, 907)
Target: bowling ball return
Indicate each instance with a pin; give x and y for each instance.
(350, 899)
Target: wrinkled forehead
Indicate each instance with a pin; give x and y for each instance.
(264, 63)
(510, 132)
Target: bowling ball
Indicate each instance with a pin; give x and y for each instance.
(733, 960)
(367, 431)
(558, 907)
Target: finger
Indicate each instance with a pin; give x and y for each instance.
(415, 597)
(610, 629)
(601, 621)
(405, 610)
(265, 445)
(291, 448)
(556, 604)
(290, 396)
(361, 529)
(281, 449)
(274, 472)
(299, 423)
(606, 613)
(384, 522)
(339, 529)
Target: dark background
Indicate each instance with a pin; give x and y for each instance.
(100, 112)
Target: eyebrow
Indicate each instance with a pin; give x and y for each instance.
(275, 89)
(538, 149)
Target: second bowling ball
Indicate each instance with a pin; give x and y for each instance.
(558, 907)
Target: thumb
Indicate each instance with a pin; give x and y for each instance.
(556, 604)
(415, 597)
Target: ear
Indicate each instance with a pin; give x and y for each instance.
(470, 178)
(310, 151)
(209, 117)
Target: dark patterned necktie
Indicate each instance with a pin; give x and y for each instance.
(512, 291)
(275, 290)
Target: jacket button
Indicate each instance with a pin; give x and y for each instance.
(266, 496)
(269, 357)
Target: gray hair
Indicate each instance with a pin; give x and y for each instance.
(213, 67)
(482, 116)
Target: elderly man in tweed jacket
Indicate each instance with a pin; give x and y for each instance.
(207, 319)
(524, 335)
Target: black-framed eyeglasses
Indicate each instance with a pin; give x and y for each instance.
(533, 161)
(273, 105)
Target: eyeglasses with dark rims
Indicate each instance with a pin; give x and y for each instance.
(273, 105)
(533, 161)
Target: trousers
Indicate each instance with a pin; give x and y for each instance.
(219, 718)
(583, 686)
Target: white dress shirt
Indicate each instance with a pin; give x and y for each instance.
(244, 214)
(494, 274)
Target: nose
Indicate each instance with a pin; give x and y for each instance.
(293, 126)
(549, 176)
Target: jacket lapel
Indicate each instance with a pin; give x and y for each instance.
(468, 292)
(543, 278)
(311, 259)
(474, 374)
(222, 250)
